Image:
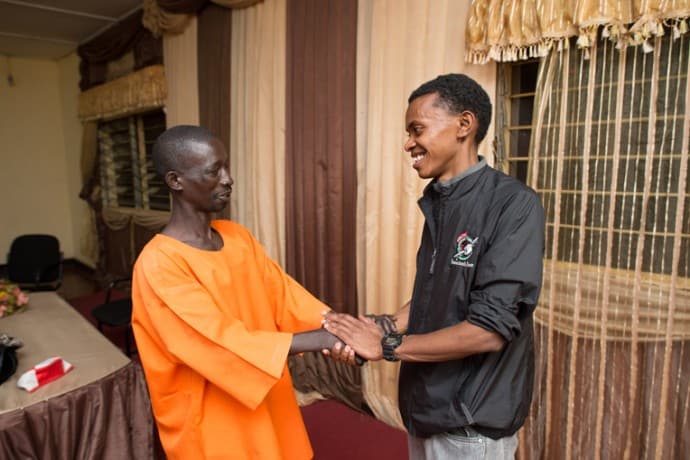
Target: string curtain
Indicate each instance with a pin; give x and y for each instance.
(609, 159)
(510, 30)
(172, 16)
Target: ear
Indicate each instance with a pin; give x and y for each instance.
(467, 124)
(172, 179)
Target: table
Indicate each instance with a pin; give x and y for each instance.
(99, 410)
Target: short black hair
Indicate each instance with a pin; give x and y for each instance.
(458, 92)
(171, 146)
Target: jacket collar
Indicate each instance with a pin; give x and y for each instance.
(458, 185)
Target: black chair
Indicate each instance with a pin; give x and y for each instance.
(116, 313)
(35, 262)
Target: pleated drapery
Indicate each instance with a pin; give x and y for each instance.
(213, 42)
(320, 149)
(90, 189)
(172, 16)
(257, 117)
(401, 44)
(180, 60)
(321, 174)
(127, 36)
(508, 30)
(610, 161)
(214, 31)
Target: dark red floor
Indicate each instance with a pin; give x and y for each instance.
(340, 433)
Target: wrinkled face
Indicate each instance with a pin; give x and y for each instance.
(433, 138)
(205, 181)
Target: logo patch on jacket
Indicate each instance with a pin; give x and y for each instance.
(464, 246)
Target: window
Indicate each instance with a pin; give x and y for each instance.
(606, 159)
(516, 86)
(127, 175)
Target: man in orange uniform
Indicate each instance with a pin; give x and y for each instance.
(215, 319)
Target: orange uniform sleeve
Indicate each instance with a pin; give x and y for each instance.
(297, 310)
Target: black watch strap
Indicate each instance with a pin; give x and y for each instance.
(389, 343)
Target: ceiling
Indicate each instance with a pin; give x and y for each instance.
(51, 29)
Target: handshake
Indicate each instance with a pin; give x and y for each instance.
(360, 338)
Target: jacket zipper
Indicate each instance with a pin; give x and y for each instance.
(439, 226)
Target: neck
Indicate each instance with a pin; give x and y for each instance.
(464, 159)
(190, 226)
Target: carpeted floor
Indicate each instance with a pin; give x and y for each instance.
(339, 433)
(336, 431)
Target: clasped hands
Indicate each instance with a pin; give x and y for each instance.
(361, 335)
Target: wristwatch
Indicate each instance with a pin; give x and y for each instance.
(389, 343)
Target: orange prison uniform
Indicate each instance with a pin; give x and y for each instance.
(213, 330)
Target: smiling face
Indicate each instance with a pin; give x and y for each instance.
(435, 138)
(204, 180)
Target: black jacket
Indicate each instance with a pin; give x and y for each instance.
(480, 260)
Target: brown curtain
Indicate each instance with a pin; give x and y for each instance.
(321, 173)
(181, 6)
(213, 58)
(320, 149)
(192, 6)
(123, 37)
(213, 62)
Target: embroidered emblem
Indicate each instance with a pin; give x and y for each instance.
(465, 245)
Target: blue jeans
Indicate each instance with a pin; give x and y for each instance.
(462, 444)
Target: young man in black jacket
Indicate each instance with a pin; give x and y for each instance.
(466, 337)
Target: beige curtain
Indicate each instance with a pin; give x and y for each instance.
(508, 30)
(401, 44)
(89, 158)
(609, 159)
(179, 57)
(257, 120)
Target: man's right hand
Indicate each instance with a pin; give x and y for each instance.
(342, 353)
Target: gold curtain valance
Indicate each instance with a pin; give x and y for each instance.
(510, 30)
(136, 92)
(161, 21)
(119, 218)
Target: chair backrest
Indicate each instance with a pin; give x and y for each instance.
(35, 259)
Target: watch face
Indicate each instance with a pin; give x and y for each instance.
(389, 343)
(392, 339)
